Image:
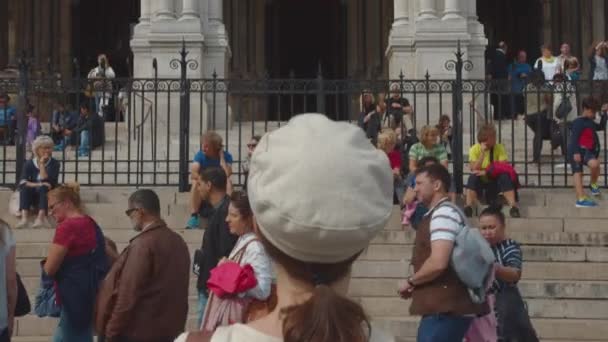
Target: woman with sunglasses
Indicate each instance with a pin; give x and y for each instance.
(511, 313)
(77, 262)
(253, 143)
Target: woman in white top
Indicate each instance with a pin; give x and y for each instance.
(314, 225)
(547, 63)
(248, 250)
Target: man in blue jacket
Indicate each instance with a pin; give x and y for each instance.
(584, 149)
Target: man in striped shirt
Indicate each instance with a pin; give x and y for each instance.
(437, 294)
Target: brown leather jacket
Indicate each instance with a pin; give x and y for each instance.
(446, 294)
(144, 297)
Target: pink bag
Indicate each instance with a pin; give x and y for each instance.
(408, 211)
(483, 329)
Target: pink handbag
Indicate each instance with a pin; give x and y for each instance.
(484, 328)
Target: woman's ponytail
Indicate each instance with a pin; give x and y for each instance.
(326, 317)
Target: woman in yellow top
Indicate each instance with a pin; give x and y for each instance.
(481, 155)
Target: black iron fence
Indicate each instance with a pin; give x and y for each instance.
(151, 127)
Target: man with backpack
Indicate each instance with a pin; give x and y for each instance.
(442, 266)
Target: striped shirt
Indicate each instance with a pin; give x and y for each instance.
(508, 254)
(446, 222)
(418, 151)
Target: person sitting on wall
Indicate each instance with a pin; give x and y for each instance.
(88, 131)
(481, 156)
(210, 155)
(62, 122)
(40, 175)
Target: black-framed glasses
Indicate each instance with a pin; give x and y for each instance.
(130, 211)
(252, 145)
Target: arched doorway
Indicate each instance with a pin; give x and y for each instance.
(517, 22)
(104, 27)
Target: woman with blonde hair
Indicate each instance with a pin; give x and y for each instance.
(77, 261)
(429, 146)
(387, 140)
(39, 176)
(314, 226)
(370, 117)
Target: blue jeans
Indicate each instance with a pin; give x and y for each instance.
(202, 304)
(65, 332)
(443, 328)
(83, 148)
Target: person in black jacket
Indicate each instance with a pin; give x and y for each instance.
(499, 73)
(218, 242)
(40, 175)
(89, 131)
(584, 149)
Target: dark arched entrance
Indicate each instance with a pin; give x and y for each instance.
(517, 22)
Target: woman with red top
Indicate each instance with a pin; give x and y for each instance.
(387, 140)
(77, 262)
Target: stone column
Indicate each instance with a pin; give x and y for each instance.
(427, 10)
(453, 9)
(189, 10)
(401, 13)
(216, 13)
(144, 18)
(165, 10)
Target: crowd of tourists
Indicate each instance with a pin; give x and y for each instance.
(275, 257)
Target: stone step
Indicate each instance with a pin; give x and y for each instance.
(547, 289)
(532, 270)
(537, 308)
(559, 329)
(394, 252)
(385, 237)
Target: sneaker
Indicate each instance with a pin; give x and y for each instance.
(23, 224)
(193, 222)
(468, 211)
(595, 189)
(83, 154)
(586, 203)
(514, 212)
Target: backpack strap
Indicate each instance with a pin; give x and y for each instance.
(492, 154)
(447, 203)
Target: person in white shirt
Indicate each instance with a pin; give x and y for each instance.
(248, 250)
(103, 90)
(547, 63)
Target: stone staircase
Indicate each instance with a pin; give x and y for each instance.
(565, 279)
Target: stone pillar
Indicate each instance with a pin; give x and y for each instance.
(427, 10)
(453, 9)
(216, 13)
(165, 10)
(400, 50)
(401, 13)
(144, 18)
(190, 10)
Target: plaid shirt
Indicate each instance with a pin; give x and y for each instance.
(418, 151)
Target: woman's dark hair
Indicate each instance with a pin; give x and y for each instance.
(240, 201)
(256, 138)
(495, 211)
(327, 316)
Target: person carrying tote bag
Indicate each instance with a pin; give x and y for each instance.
(240, 286)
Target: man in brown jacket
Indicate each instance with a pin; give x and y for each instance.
(437, 293)
(144, 297)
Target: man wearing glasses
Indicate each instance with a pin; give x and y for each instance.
(253, 143)
(144, 297)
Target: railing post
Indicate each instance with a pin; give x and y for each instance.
(184, 114)
(24, 66)
(320, 91)
(457, 143)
